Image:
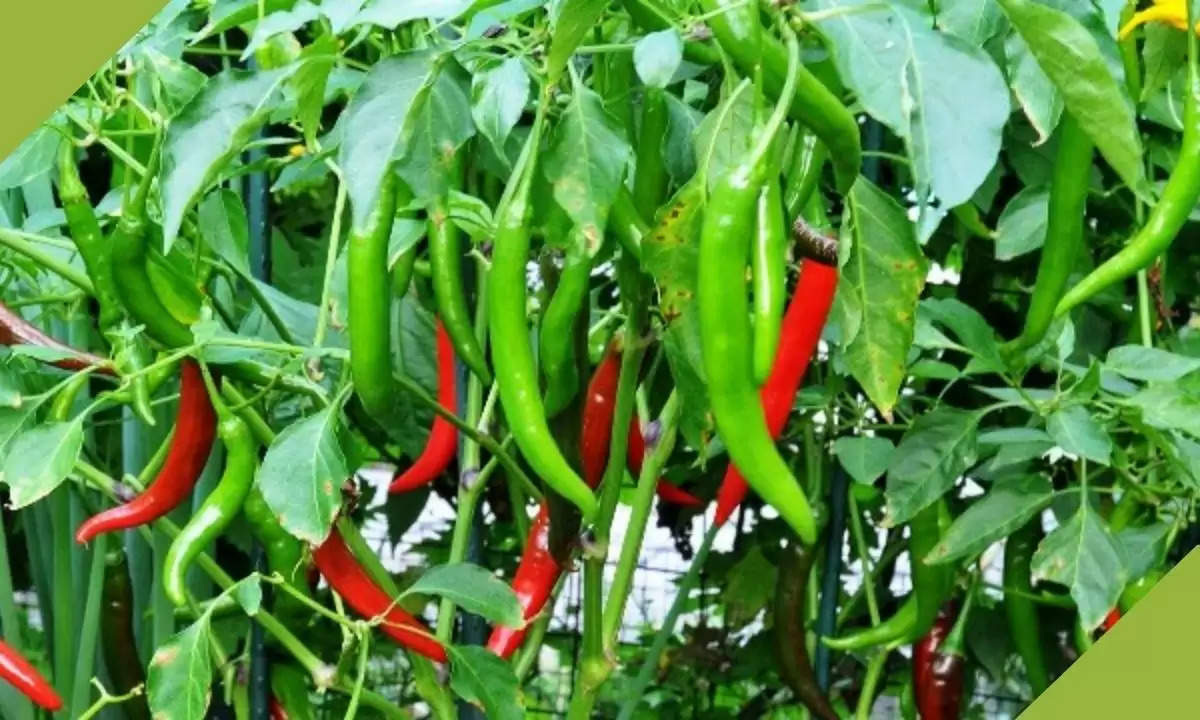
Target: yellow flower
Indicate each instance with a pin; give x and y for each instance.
(1171, 12)
(297, 151)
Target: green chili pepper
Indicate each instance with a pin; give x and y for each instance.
(725, 333)
(129, 248)
(369, 304)
(1064, 229)
(1021, 609)
(445, 259)
(808, 159)
(627, 223)
(768, 262)
(557, 336)
(87, 236)
(402, 265)
(289, 684)
(516, 376)
(117, 638)
(220, 507)
(284, 552)
(1138, 589)
(1177, 201)
(737, 28)
(650, 172)
(932, 584)
(894, 629)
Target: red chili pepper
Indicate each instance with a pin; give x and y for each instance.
(536, 576)
(195, 426)
(276, 710)
(338, 565)
(1111, 619)
(24, 677)
(598, 410)
(938, 675)
(443, 437)
(15, 330)
(801, 331)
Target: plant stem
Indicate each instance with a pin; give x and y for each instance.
(860, 546)
(335, 236)
(85, 660)
(1144, 323)
(17, 244)
(650, 664)
(866, 698)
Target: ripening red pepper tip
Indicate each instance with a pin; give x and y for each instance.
(195, 428)
(443, 436)
(535, 578)
(801, 331)
(339, 566)
(938, 675)
(15, 330)
(24, 677)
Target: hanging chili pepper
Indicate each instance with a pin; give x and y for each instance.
(557, 335)
(534, 581)
(125, 669)
(95, 251)
(275, 710)
(791, 596)
(1176, 202)
(627, 224)
(738, 29)
(650, 171)
(893, 629)
(516, 374)
(725, 334)
(339, 567)
(445, 261)
(938, 666)
(1138, 589)
(219, 508)
(1021, 609)
(195, 426)
(17, 671)
(443, 436)
(1064, 229)
(768, 262)
(16, 330)
(368, 304)
(808, 160)
(284, 553)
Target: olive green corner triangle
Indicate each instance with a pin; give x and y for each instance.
(49, 48)
(1147, 666)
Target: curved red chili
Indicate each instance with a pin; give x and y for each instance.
(533, 582)
(339, 567)
(800, 333)
(937, 675)
(16, 330)
(443, 436)
(195, 426)
(24, 677)
(276, 710)
(1111, 619)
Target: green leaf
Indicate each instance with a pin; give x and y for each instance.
(474, 589)
(225, 228)
(33, 157)
(656, 57)
(725, 135)
(1077, 431)
(585, 164)
(1083, 555)
(1007, 506)
(498, 98)
(974, 334)
(1022, 226)
(878, 291)
(896, 63)
(209, 132)
(39, 460)
(1070, 56)
(479, 676)
(440, 123)
(865, 458)
(1163, 54)
(1143, 547)
(498, 14)
(248, 593)
(750, 584)
(276, 23)
(390, 14)
(1039, 99)
(938, 448)
(472, 215)
(671, 254)
(302, 474)
(975, 21)
(178, 684)
(1005, 436)
(228, 15)
(1169, 407)
(1148, 363)
(375, 125)
(682, 122)
(575, 20)
(180, 82)
(309, 83)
